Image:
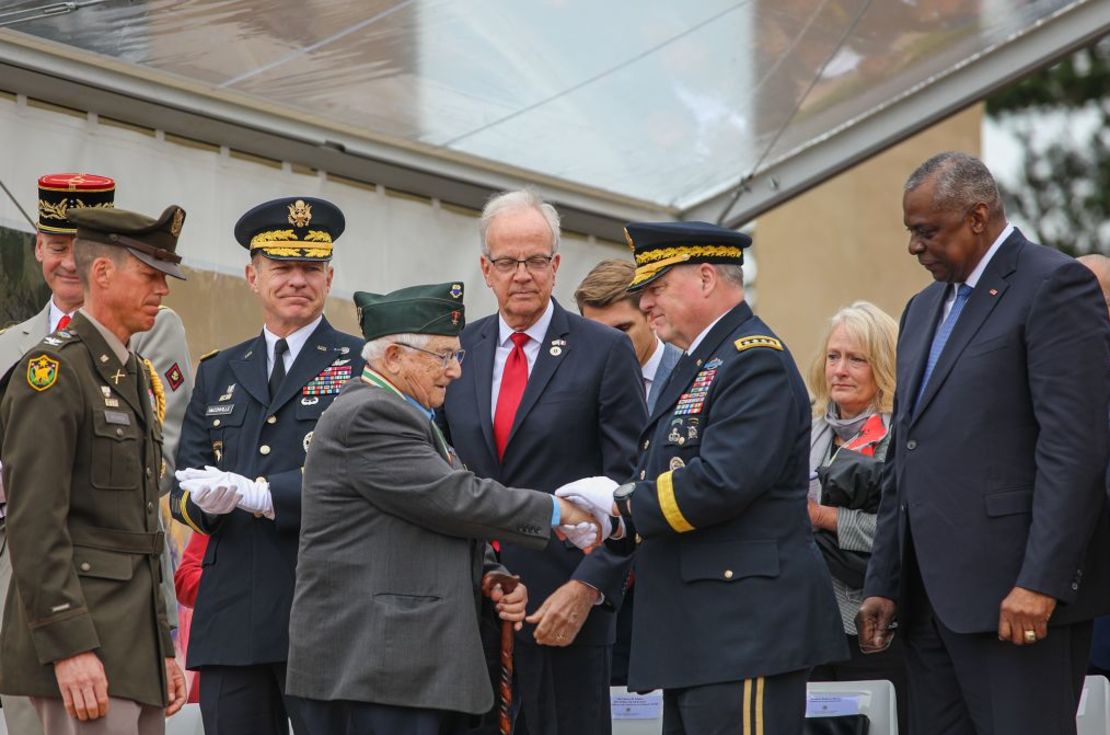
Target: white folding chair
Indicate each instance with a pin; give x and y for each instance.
(647, 711)
(1093, 715)
(876, 699)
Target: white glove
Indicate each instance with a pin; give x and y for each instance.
(252, 496)
(594, 494)
(256, 497)
(211, 498)
(583, 535)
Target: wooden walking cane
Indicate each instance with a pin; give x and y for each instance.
(505, 686)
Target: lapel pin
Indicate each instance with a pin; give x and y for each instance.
(104, 358)
(249, 353)
(993, 292)
(556, 351)
(321, 348)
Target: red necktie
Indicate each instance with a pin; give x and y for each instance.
(513, 379)
(63, 322)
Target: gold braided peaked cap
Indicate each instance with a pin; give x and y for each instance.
(659, 246)
(291, 228)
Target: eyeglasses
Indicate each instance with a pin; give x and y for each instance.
(444, 358)
(534, 264)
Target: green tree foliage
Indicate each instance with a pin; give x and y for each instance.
(22, 291)
(1061, 117)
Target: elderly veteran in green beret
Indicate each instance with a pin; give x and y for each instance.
(393, 548)
(85, 633)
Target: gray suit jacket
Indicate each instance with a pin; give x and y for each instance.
(392, 553)
(671, 355)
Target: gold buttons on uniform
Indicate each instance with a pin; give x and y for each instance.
(264, 449)
(85, 566)
(119, 432)
(150, 507)
(215, 422)
(271, 420)
(728, 574)
(148, 473)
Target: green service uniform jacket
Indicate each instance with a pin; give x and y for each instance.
(81, 447)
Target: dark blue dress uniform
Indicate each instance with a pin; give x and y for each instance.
(734, 603)
(241, 617)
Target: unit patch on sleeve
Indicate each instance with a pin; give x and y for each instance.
(174, 377)
(42, 372)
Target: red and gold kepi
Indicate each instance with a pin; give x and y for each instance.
(59, 192)
(660, 246)
(291, 228)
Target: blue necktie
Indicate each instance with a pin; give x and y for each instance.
(941, 337)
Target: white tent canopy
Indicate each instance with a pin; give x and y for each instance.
(714, 110)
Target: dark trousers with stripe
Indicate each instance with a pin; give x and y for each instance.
(765, 705)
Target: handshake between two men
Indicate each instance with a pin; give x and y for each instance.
(594, 495)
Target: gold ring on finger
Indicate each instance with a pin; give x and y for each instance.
(1030, 636)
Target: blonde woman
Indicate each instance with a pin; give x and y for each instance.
(852, 383)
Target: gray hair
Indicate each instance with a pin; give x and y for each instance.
(87, 251)
(508, 201)
(962, 181)
(374, 350)
(731, 273)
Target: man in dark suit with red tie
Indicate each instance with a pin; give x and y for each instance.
(547, 398)
(993, 540)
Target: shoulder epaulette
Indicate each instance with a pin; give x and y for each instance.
(757, 340)
(60, 338)
(207, 355)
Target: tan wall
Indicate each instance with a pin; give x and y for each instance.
(844, 240)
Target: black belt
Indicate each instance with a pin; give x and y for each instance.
(128, 542)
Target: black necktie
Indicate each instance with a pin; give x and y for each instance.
(277, 375)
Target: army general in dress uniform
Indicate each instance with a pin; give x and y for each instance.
(247, 428)
(734, 603)
(85, 632)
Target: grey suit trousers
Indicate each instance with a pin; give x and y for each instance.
(19, 715)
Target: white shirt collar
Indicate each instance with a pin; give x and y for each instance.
(536, 332)
(651, 367)
(56, 315)
(697, 340)
(295, 341)
(973, 279)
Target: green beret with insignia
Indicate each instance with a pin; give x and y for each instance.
(153, 241)
(432, 309)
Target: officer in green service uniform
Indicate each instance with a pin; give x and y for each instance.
(85, 633)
